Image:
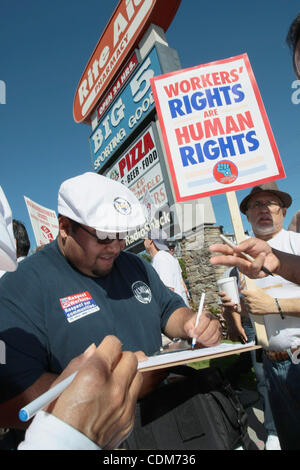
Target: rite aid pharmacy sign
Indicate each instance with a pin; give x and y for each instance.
(126, 27)
(129, 109)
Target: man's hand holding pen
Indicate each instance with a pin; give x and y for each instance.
(259, 250)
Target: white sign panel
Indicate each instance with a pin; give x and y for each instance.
(44, 222)
(215, 129)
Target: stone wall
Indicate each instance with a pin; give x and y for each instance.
(201, 274)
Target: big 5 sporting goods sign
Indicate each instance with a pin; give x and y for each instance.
(128, 23)
(133, 104)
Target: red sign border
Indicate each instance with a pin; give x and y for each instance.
(264, 116)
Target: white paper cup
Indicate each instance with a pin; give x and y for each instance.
(229, 286)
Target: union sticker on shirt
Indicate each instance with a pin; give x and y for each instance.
(78, 305)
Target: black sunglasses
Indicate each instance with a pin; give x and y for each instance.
(106, 240)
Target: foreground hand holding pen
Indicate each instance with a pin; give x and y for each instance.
(100, 401)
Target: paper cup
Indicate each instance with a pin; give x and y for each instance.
(229, 285)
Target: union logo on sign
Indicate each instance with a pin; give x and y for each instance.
(225, 172)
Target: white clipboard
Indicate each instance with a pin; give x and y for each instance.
(164, 360)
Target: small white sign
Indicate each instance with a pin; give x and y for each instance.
(44, 222)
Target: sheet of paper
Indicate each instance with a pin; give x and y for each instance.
(192, 355)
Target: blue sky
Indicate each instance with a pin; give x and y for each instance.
(44, 47)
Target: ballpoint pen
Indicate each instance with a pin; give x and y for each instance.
(26, 413)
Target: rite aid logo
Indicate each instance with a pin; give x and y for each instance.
(124, 30)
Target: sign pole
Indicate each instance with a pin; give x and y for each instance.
(239, 233)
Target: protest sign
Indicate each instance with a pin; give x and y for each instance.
(215, 129)
(44, 222)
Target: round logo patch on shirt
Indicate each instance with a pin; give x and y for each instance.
(142, 292)
(122, 205)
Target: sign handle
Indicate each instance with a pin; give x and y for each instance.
(258, 320)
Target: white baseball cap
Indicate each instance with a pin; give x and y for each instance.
(159, 238)
(101, 203)
(8, 257)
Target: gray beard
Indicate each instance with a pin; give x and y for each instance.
(264, 230)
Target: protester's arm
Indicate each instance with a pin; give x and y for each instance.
(284, 264)
(288, 266)
(232, 315)
(260, 303)
(100, 402)
(181, 324)
(235, 329)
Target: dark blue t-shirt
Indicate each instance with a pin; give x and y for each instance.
(51, 312)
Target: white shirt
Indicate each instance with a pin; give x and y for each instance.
(169, 271)
(282, 333)
(47, 432)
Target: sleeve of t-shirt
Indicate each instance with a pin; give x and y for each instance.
(47, 432)
(22, 332)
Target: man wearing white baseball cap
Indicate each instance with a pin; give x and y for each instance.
(68, 425)
(81, 288)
